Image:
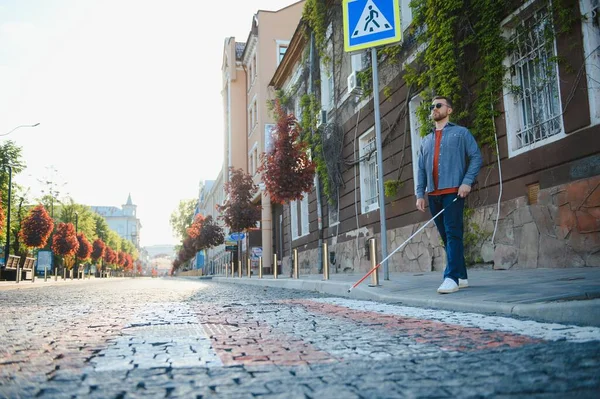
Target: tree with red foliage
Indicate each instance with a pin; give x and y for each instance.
(65, 244)
(286, 170)
(110, 256)
(194, 230)
(211, 235)
(98, 249)
(85, 248)
(238, 212)
(36, 228)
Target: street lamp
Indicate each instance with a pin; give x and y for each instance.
(7, 248)
(76, 266)
(20, 126)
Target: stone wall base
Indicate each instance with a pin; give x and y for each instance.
(562, 230)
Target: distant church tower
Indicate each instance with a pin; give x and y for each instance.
(129, 209)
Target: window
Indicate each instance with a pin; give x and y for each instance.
(415, 135)
(299, 217)
(591, 45)
(334, 214)
(252, 115)
(294, 219)
(253, 159)
(282, 47)
(269, 131)
(406, 16)
(327, 84)
(304, 215)
(533, 108)
(369, 197)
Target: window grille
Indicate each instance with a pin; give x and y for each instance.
(534, 77)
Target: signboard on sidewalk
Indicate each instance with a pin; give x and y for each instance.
(371, 23)
(44, 260)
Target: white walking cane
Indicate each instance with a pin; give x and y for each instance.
(401, 245)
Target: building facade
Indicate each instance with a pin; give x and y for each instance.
(122, 220)
(247, 70)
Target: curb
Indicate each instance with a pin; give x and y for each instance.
(579, 312)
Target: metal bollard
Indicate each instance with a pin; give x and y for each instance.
(18, 278)
(260, 267)
(274, 266)
(45, 273)
(373, 252)
(325, 262)
(239, 268)
(296, 276)
(249, 270)
(55, 273)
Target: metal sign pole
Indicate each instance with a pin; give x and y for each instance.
(382, 219)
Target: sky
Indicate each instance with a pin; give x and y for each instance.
(127, 94)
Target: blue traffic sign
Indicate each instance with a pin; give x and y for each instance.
(236, 236)
(371, 23)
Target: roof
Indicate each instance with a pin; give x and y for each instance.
(129, 200)
(110, 211)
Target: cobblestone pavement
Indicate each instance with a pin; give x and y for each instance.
(167, 338)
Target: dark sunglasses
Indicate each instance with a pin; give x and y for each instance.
(438, 106)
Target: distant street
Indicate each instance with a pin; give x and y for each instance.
(127, 338)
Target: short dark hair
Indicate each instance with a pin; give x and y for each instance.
(448, 101)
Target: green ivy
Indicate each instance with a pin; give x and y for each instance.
(315, 16)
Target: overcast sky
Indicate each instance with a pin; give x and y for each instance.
(127, 94)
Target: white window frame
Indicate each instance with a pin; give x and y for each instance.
(591, 41)
(369, 195)
(304, 221)
(415, 135)
(269, 131)
(294, 219)
(519, 107)
(406, 15)
(252, 115)
(281, 44)
(327, 83)
(333, 214)
(252, 156)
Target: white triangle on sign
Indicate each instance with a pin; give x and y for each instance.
(371, 21)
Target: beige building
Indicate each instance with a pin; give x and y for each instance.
(247, 70)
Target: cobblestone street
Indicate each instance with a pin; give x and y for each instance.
(126, 338)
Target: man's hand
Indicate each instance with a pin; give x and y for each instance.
(421, 204)
(464, 190)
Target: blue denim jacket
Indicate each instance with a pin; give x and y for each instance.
(459, 160)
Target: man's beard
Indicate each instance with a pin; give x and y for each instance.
(438, 117)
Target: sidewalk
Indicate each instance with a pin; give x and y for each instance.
(552, 295)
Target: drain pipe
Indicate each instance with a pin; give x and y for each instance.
(316, 178)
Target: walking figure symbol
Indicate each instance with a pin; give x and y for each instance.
(371, 21)
(371, 18)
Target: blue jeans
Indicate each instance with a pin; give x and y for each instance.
(450, 227)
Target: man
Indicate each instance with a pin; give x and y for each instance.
(449, 161)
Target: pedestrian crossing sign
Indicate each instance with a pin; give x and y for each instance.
(371, 23)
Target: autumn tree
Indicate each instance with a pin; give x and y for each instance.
(36, 228)
(211, 234)
(287, 170)
(238, 212)
(98, 249)
(65, 244)
(85, 248)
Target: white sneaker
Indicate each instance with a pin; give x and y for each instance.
(447, 287)
(463, 283)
